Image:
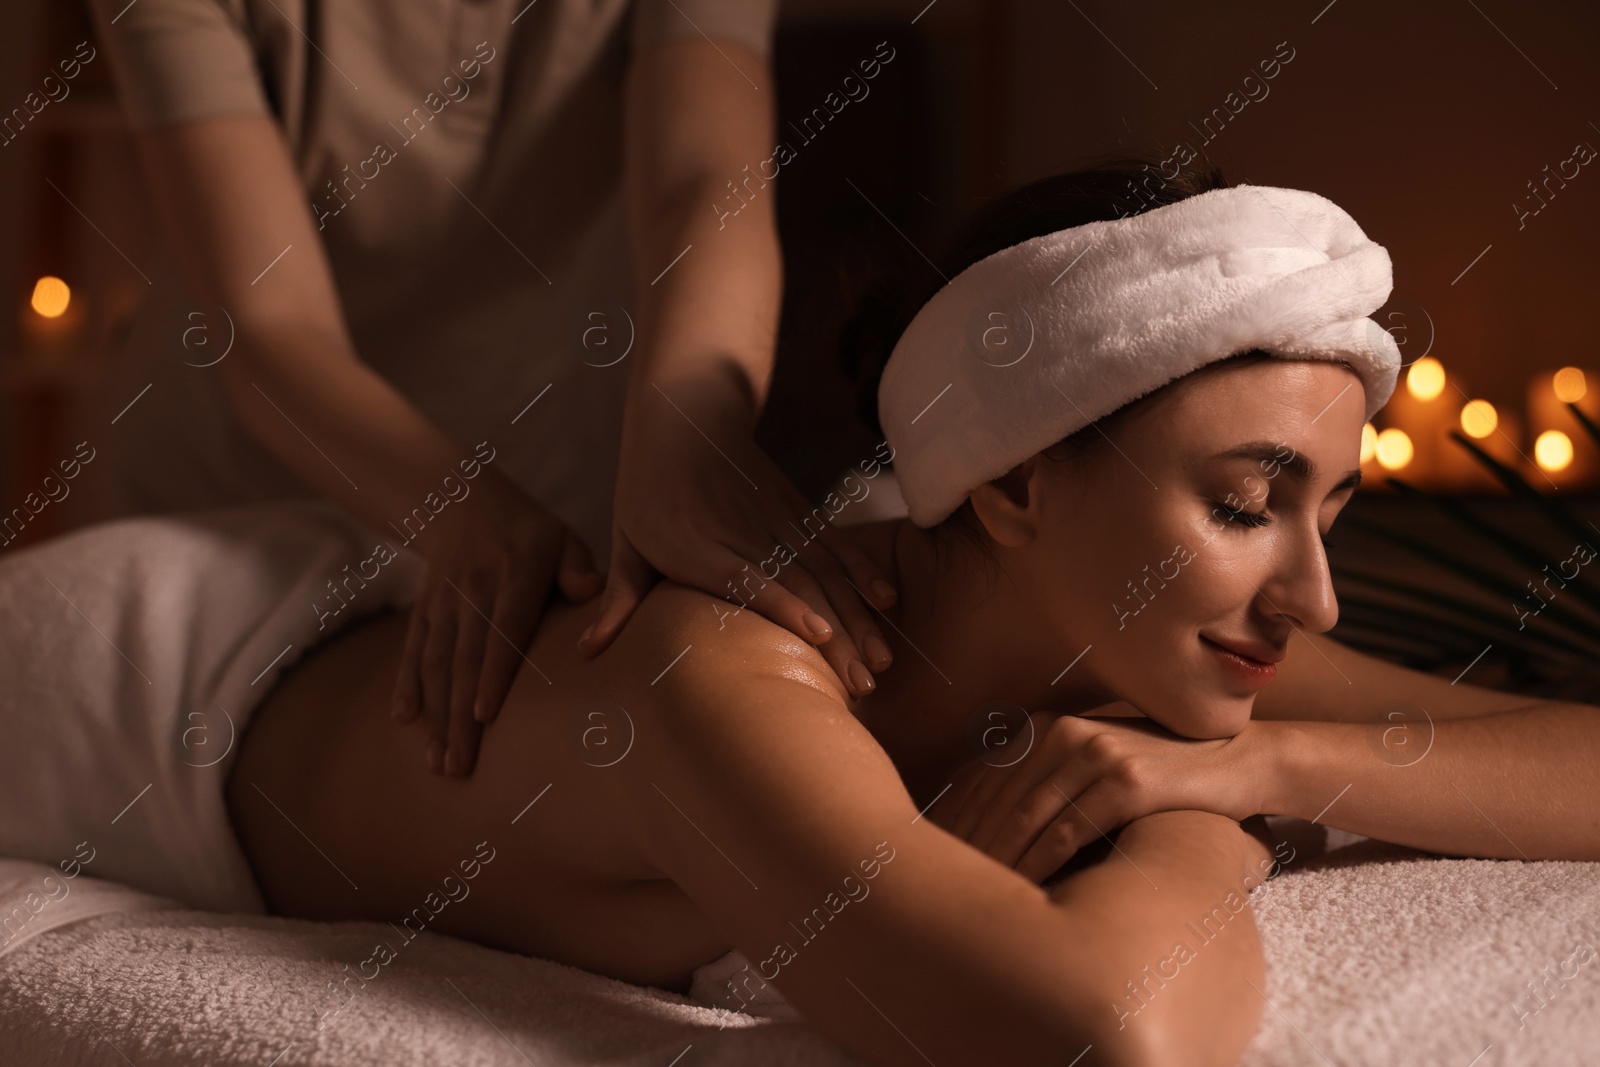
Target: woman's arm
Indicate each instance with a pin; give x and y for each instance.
(1522, 784)
(1381, 751)
(1364, 745)
(756, 791)
(232, 207)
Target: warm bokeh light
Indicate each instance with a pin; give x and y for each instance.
(1569, 385)
(1478, 418)
(1425, 379)
(51, 296)
(1553, 450)
(1369, 442)
(1393, 449)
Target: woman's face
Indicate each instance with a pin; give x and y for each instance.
(1201, 529)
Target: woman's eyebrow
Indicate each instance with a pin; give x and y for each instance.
(1269, 452)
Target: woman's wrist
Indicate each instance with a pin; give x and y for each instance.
(1271, 766)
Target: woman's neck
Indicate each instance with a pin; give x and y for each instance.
(965, 644)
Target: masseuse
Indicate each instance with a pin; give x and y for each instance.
(461, 269)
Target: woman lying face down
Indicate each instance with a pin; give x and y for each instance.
(707, 784)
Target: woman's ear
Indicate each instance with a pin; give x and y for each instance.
(1008, 506)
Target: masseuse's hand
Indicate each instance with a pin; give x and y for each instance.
(1034, 802)
(492, 557)
(700, 502)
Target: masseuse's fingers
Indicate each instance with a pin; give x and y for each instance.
(406, 704)
(517, 611)
(629, 579)
(868, 577)
(472, 632)
(577, 577)
(438, 652)
(795, 591)
(846, 599)
(865, 573)
(846, 582)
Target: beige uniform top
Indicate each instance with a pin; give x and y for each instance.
(464, 161)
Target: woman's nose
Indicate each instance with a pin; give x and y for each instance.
(1301, 586)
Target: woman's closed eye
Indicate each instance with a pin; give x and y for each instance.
(1241, 517)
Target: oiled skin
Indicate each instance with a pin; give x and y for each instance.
(753, 785)
(566, 880)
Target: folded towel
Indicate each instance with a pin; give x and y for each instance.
(1043, 337)
(135, 653)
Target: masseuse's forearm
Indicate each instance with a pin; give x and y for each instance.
(703, 226)
(1521, 784)
(1175, 878)
(233, 206)
(708, 326)
(347, 431)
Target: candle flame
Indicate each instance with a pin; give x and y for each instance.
(51, 296)
(1393, 449)
(1569, 385)
(1479, 418)
(1369, 442)
(1553, 450)
(1425, 379)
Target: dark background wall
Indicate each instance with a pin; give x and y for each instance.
(1426, 121)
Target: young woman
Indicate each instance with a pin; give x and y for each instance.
(706, 782)
(883, 860)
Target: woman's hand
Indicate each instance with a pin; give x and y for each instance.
(700, 502)
(1081, 777)
(491, 560)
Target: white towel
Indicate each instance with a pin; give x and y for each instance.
(135, 653)
(1376, 954)
(1039, 339)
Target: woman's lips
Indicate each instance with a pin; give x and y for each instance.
(1252, 671)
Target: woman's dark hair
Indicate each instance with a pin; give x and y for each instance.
(1105, 190)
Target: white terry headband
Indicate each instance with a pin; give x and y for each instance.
(1040, 339)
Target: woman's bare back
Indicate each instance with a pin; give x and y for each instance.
(534, 852)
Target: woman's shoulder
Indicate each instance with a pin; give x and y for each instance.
(704, 639)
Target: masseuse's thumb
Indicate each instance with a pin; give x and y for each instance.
(630, 578)
(576, 576)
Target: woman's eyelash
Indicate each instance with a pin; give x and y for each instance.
(1258, 519)
(1242, 517)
